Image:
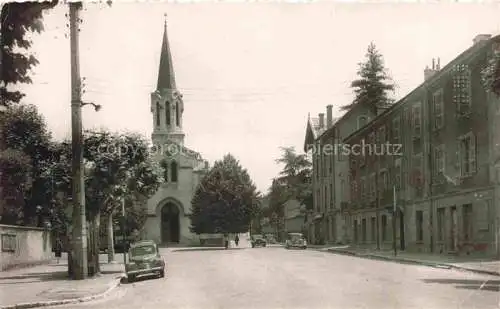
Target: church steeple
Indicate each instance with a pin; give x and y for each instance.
(167, 105)
(166, 76)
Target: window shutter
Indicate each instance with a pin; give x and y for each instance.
(472, 154)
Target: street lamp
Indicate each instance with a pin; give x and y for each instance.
(97, 107)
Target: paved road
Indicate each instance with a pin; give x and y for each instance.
(279, 278)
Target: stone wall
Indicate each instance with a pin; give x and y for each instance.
(22, 246)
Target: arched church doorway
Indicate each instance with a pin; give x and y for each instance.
(170, 226)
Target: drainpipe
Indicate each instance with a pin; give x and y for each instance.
(431, 169)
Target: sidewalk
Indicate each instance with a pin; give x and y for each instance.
(482, 265)
(48, 285)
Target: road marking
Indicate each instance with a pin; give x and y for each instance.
(474, 292)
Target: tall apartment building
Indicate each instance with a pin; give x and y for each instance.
(327, 221)
(438, 164)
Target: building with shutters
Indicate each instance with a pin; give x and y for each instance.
(438, 164)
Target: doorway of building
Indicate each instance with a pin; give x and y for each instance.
(170, 226)
(453, 232)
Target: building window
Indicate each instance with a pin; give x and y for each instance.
(467, 152)
(397, 173)
(462, 89)
(396, 128)
(363, 188)
(354, 190)
(419, 216)
(165, 172)
(342, 190)
(384, 228)
(177, 114)
(174, 171)
(383, 181)
(438, 109)
(158, 114)
(439, 160)
(373, 186)
(382, 138)
(440, 223)
(417, 179)
(331, 195)
(362, 121)
(167, 113)
(362, 155)
(9, 243)
(417, 119)
(373, 228)
(467, 220)
(325, 206)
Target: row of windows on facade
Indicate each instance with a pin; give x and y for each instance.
(168, 108)
(461, 97)
(466, 230)
(170, 172)
(365, 187)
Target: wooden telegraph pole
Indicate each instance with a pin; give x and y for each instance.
(79, 233)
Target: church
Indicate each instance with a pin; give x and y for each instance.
(168, 210)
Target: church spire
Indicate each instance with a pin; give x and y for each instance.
(166, 77)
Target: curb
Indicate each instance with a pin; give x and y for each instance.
(414, 262)
(115, 284)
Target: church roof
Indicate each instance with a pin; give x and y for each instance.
(166, 76)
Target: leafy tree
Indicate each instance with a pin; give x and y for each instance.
(17, 20)
(117, 167)
(371, 89)
(225, 201)
(23, 129)
(491, 74)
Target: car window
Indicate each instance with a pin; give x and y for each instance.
(143, 250)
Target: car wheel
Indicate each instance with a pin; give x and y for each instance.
(253, 246)
(263, 245)
(130, 278)
(162, 273)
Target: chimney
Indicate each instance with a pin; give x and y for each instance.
(329, 116)
(480, 38)
(429, 72)
(321, 121)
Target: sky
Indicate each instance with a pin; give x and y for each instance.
(250, 72)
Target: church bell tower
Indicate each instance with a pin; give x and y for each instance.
(167, 105)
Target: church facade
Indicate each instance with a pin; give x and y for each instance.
(168, 210)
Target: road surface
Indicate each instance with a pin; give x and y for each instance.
(278, 278)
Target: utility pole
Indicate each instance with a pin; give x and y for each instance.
(123, 234)
(79, 246)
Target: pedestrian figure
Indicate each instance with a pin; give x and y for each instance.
(58, 250)
(236, 239)
(226, 241)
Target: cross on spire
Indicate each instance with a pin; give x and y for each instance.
(165, 16)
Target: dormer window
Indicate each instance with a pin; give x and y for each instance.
(362, 121)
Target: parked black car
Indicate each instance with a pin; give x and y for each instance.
(258, 241)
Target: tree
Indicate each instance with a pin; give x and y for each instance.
(225, 201)
(371, 89)
(24, 130)
(117, 167)
(491, 74)
(17, 20)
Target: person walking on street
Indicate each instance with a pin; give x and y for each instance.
(236, 239)
(58, 250)
(226, 241)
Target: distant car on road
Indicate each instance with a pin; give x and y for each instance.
(144, 260)
(295, 240)
(258, 241)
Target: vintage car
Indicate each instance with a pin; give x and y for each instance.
(295, 240)
(144, 260)
(258, 241)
